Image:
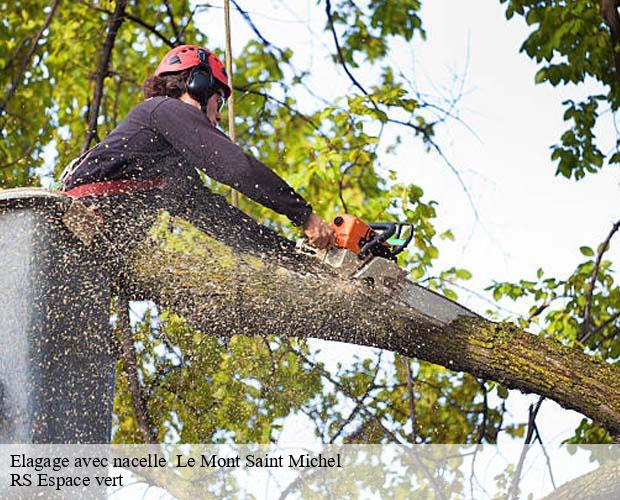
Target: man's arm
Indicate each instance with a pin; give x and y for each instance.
(189, 132)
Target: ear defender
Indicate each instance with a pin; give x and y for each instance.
(201, 85)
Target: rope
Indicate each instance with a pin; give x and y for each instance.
(231, 99)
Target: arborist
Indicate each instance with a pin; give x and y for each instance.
(150, 161)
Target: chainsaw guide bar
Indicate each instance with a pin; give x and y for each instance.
(385, 274)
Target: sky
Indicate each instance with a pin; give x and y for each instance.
(527, 217)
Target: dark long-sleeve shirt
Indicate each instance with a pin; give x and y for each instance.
(162, 136)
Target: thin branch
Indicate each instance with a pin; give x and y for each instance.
(305, 475)
(248, 19)
(26, 60)
(359, 403)
(138, 402)
(422, 130)
(531, 426)
(539, 310)
(428, 138)
(173, 24)
(602, 249)
(436, 388)
(114, 23)
(485, 401)
(411, 396)
(547, 457)
(341, 184)
(328, 376)
(181, 38)
(117, 93)
(124, 77)
(600, 327)
(330, 19)
(150, 28)
(135, 19)
(17, 160)
(247, 90)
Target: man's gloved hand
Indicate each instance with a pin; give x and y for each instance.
(319, 233)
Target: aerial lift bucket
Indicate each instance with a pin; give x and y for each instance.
(57, 358)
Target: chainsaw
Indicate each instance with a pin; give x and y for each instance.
(368, 253)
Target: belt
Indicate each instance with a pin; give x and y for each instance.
(112, 188)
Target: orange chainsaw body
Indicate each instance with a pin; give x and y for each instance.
(351, 233)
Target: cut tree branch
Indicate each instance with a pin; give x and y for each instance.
(305, 299)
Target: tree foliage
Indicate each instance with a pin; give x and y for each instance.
(572, 45)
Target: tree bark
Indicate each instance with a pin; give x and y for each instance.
(609, 11)
(600, 483)
(226, 293)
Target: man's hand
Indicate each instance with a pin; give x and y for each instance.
(319, 233)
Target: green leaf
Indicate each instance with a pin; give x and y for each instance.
(502, 392)
(587, 251)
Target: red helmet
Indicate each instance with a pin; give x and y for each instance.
(190, 56)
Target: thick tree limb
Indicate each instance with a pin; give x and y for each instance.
(609, 11)
(299, 298)
(114, 23)
(600, 483)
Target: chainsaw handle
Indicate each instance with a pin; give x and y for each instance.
(389, 229)
(386, 229)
